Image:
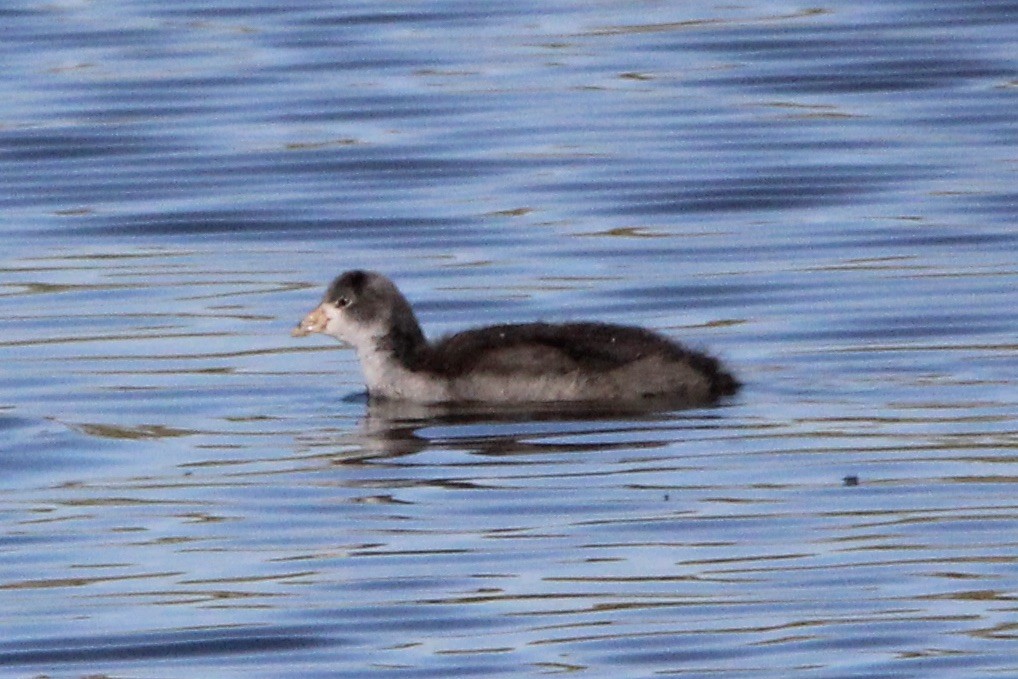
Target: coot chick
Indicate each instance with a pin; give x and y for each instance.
(513, 363)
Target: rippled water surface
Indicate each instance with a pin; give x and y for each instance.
(822, 195)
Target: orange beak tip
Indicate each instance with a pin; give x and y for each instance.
(312, 323)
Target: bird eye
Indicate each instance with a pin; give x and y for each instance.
(342, 302)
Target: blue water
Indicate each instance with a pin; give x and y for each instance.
(824, 196)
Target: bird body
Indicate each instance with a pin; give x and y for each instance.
(511, 363)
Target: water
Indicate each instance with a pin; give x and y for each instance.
(823, 196)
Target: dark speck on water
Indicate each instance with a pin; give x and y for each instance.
(823, 197)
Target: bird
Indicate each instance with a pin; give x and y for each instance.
(516, 363)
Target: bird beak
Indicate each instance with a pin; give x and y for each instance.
(313, 322)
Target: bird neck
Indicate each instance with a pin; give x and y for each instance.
(405, 342)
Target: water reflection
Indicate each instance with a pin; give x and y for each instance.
(395, 428)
